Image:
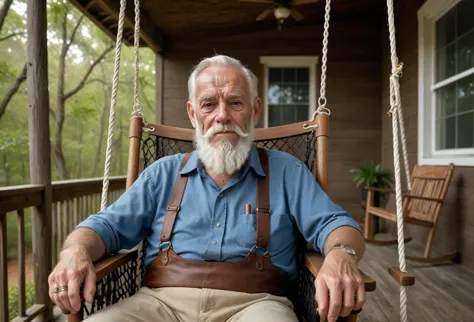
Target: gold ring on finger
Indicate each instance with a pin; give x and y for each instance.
(60, 288)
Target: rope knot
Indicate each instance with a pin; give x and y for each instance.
(398, 72)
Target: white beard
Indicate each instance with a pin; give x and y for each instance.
(224, 158)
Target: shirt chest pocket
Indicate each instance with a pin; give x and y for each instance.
(247, 230)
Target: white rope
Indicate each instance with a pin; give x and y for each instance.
(110, 137)
(394, 110)
(137, 109)
(322, 109)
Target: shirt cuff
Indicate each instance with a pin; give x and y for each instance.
(101, 227)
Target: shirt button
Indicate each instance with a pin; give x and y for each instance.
(218, 224)
(214, 243)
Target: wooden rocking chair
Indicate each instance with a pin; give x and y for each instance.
(420, 207)
(121, 275)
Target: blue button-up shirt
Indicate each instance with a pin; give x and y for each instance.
(212, 224)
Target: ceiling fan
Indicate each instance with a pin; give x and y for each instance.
(281, 9)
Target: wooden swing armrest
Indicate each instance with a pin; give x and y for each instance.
(107, 265)
(314, 261)
(402, 278)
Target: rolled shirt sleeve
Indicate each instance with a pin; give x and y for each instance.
(124, 224)
(315, 214)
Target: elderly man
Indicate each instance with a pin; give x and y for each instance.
(221, 223)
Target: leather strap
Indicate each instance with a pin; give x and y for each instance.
(263, 205)
(175, 202)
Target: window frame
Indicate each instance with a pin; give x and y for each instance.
(428, 15)
(310, 62)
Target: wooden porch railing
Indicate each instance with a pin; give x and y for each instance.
(73, 201)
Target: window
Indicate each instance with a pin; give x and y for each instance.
(446, 82)
(289, 89)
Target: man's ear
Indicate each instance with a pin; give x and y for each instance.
(257, 109)
(191, 114)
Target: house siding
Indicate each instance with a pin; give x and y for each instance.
(455, 231)
(353, 87)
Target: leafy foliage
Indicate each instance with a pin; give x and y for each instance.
(83, 111)
(13, 305)
(373, 175)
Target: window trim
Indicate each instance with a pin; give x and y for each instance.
(428, 14)
(290, 61)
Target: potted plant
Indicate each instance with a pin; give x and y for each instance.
(373, 175)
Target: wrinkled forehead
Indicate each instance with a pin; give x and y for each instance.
(221, 78)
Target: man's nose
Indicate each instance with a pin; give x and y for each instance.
(222, 112)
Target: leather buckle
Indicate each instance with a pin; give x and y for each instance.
(165, 243)
(264, 210)
(173, 208)
(255, 247)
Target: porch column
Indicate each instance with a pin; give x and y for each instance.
(159, 86)
(40, 162)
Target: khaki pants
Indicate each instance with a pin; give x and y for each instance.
(197, 305)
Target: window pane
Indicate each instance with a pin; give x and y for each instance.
(465, 22)
(302, 75)
(289, 75)
(446, 62)
(274, 115)
(466, 94)
(466, 130)
(302, 113)
(447, 100)
(273, 94)
(288, 114)
(447, 133)
(286, 96)
(274, 75)
(302, 94)
(446, 29)
(466, 52)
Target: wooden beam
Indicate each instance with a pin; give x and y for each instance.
(159, 65)
(148, 32)
(40, 149)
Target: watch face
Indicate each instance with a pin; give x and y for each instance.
(349, 250)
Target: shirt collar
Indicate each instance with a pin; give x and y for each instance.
(253, 161)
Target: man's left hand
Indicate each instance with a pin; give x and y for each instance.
(339, 286)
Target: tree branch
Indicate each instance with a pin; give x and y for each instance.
(13, 89)
(73, 35)
(96, 80)
(4, 11)
(12, 35)
(89, 71)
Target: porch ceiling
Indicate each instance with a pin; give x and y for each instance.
(171, 20)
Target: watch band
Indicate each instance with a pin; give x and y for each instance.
(346, 248)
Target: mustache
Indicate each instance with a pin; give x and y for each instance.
(218, 128)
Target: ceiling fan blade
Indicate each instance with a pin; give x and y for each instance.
(258, 1)
(264, 14)
(298, 2)
(296, 14)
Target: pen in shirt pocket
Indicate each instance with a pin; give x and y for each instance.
(248, 209)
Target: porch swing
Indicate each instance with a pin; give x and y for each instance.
(121, 275)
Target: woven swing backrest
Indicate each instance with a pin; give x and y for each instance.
(430, 182)
(293, 139)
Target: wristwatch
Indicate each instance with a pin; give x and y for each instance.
(346, 248)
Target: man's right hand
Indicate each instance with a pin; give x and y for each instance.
(74, 268)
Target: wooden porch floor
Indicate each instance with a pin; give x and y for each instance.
(441, 292)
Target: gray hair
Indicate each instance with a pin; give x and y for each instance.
(225, 61)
